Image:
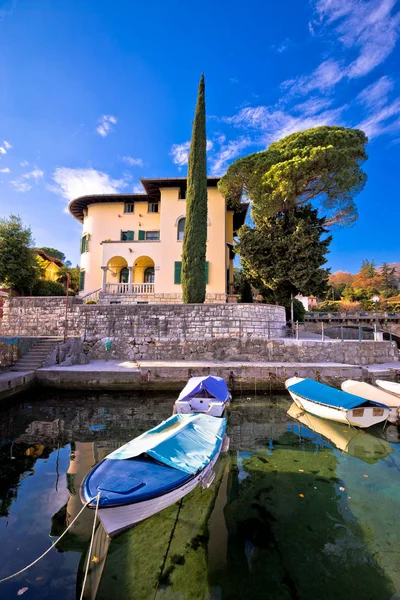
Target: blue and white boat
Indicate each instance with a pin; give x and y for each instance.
(155, 470)
(329, 403)
(208, 395)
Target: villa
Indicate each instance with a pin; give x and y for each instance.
(131, 244)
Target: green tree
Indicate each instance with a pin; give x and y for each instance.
(195, 235)
(320, 165)
(284, 255)
(73, 273)
(18, 266)
(245, 289)
(54, 253)
(389, 280)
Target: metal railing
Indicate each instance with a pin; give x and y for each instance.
(123, 288)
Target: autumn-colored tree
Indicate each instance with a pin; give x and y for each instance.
(368, 278)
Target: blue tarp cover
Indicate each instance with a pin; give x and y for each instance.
(327, 395)
(185, 442)
(215, 386)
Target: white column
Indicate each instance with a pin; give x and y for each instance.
(103, 285)
(130, 269)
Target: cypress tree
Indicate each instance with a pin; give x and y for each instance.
(195, 235)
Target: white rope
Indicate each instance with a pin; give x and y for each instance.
(90, 547)
(52, 546)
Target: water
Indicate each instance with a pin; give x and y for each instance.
(299, 509)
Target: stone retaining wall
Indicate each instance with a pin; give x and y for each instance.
(238, 349)
(46, 316)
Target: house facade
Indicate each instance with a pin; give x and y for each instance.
(50, 266)
(131, 244)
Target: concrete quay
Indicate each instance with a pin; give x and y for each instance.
(12, 383)
(172, 375)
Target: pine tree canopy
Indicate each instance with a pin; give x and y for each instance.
(320, 165)
(195, 234)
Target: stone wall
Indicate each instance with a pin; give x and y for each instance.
(243, 350)
(46, 316)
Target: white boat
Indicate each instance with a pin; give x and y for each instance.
(350, 440)
(208, 395)
(155, 470)
(332, 404)
(389, 386)
(370, 392)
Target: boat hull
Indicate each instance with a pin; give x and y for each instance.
(358, 417)
(389, 386)
(118, 519)
(213, 408)
(375, 394)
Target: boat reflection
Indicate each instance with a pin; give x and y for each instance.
(352, 441)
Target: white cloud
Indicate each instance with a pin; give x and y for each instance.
(3, 150)
(24, 183)
(72, 183)
(106, 123)
(24, 163)
(36, 174)
(138, 189)
(180, 152)
(133, 162)
(21, 185)
(376, 95)
(6, 170)
(324, 78)
(368, 26)
(7, 145)
(234, 80)
(228, 152)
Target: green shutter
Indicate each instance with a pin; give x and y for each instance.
(130, 235)
(142, 235)
(81, 280)
(178, 270)
(85, 244)
(207, 270)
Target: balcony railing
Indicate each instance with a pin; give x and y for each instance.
(137, 288)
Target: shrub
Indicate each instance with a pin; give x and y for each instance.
(298, 311)
(328, 306)
(90, 302)
(45, 287)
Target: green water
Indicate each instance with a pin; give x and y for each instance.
(289, 515)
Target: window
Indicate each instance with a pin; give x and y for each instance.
(124, 275)
(358, 412)
(127, 236)
(152, 236)
(178, 271)
(182, 194)
(81, 281)
(129, 207)
(148, 276)
(181, 228)
(85, 243)
(153, 207)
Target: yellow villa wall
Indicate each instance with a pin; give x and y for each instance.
(105, 222)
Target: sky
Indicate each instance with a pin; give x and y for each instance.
(95, 94)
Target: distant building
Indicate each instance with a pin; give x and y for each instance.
(307, 301)
(131, 244)
(50, 265)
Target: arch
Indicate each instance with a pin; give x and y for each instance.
(181, 228)
(114, 268)
(184, 217)
(142, 265)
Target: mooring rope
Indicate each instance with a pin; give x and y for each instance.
(56, 542)
(90, 547)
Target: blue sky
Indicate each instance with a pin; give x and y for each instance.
(95, 94)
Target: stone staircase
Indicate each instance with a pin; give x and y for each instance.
(36, 356)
